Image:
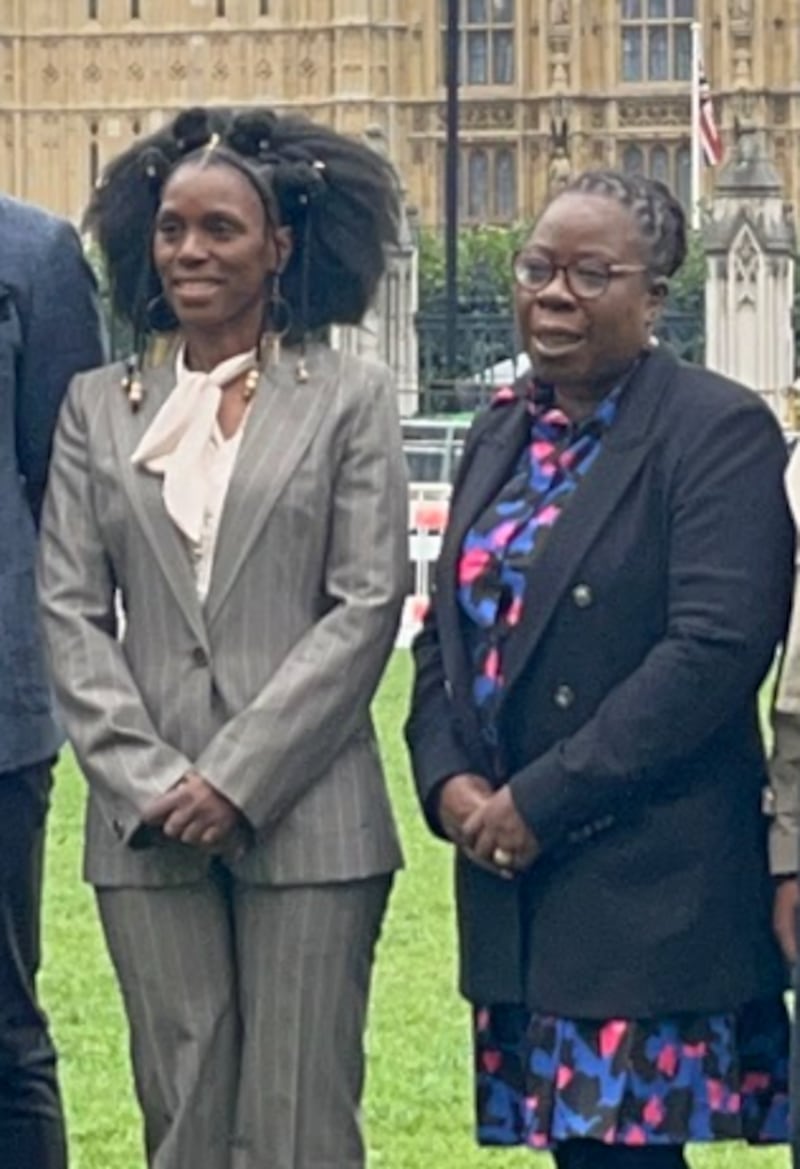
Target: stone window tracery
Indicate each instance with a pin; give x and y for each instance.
(656, 39)
(487, 184)
(670, 164)
(486, 50)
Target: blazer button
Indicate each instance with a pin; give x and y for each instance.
(199, 656)
(564, 697)
(582, 596)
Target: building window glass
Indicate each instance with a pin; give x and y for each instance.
(263, 8)
(659, 165)
(92, 9)
(477, 185)
(136, 11)
(683, 175)
(656, 40)
(486, 54)
(668, 164)
(487, 181)
(633, 160)
(505, 185)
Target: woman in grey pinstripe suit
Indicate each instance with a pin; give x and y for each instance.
(246, 501)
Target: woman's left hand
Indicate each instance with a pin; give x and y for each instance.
(497, 836)
(194, 812)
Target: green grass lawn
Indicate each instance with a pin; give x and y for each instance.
(418, 1098)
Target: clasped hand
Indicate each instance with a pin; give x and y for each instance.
(486, 825)
(193, 812)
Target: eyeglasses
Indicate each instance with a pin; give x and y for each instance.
(586, 279)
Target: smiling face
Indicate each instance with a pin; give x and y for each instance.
(215, 250)
(579, 342)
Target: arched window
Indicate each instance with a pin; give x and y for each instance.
(478, 185)
(656, 39)
(633, 160)
(683, 175)
(659, 165)
(505, 185)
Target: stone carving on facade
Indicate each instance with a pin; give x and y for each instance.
(741, 12)
(741, 17)
(559, 171)
(559, 44)
(419, 119)
(482, 115)
(780, 108)
(649, 112)
(745, 267)
(559, 13)
(750, 245)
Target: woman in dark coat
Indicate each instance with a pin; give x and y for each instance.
(614, 580)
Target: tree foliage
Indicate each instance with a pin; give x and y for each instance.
(484, 263)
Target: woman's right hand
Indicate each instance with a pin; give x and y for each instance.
(459, 796)
(194, 812)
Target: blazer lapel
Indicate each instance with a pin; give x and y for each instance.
(623, 452)
(285, 417)
(144, 491)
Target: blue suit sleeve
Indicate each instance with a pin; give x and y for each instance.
(62, 335)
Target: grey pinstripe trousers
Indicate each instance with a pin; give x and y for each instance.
(247, 1007)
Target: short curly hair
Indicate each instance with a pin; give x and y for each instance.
(339, 197)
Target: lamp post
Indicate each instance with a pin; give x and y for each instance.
(451, 185)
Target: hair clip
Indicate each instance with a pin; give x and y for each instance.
(213, 142)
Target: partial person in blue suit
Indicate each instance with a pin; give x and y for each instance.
(49, 330)
(783, 800)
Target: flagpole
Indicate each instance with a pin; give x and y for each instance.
(697, 150)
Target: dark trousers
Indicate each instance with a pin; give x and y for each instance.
(595, 1155)
(794, 1075)
(31, 1120)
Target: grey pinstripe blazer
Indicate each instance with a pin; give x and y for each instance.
(266, 688)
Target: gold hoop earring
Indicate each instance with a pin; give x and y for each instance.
(280, 317)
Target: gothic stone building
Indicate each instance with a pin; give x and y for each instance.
(549, 86)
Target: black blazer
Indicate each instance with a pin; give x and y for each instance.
(629, 719)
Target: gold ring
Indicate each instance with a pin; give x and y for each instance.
(502, 859)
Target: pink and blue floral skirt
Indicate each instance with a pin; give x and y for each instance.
(542, 1080)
